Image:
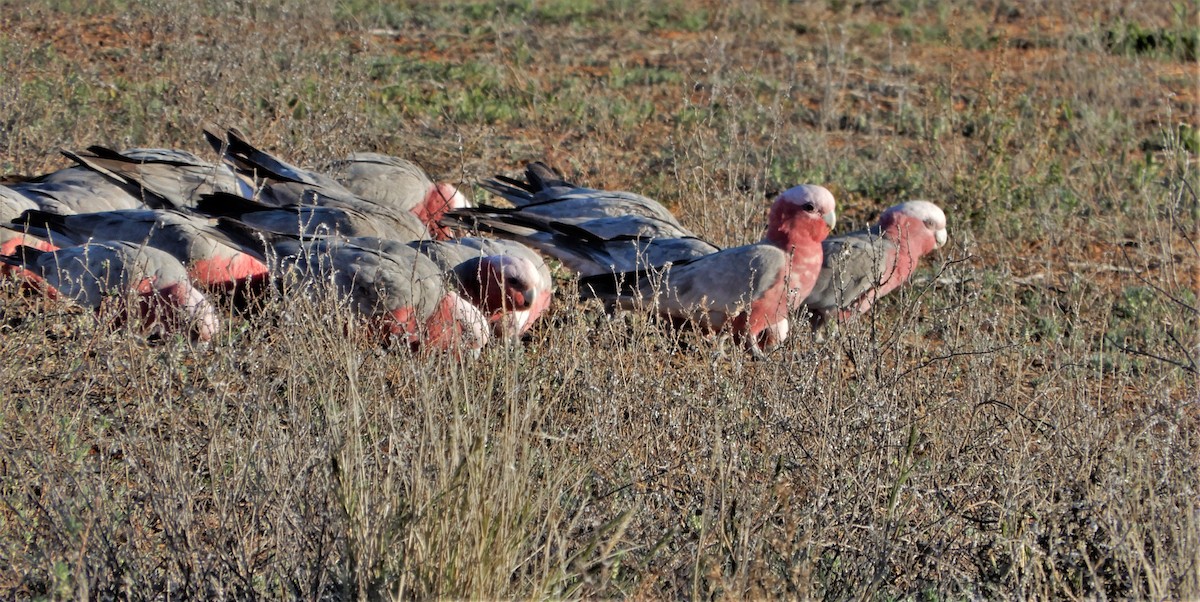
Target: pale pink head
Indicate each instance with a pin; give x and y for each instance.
(917, 225)
(441, 198)
(498, 283)
(802, 212)
(178, 307)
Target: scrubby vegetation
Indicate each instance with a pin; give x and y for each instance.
(1020, 422)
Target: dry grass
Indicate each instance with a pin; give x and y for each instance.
(1022, 422)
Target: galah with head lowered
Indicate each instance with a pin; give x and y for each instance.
(601, 245)
(862, 266)
(89, 274)
(399, 184)
(213, 260)
(742, 290)
(544, 194)
(590, 231)
(508, 281)
(311, 221)
(12, 205)
(162, 178)
(278, 182)
(401, 294)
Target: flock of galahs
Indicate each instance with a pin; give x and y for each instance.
(417, 263)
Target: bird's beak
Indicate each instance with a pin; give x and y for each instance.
(830, 219)
(940, 238)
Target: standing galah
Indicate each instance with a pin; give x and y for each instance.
(742, 290)
(312, 221)
(401, 293)
(164, 178)
(862, 266)
(545, 194)
(399, 184)
(508, 281)
(602, 245)
(91, 273)
(800, 218)
(213, 260)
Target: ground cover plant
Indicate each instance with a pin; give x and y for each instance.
(1022, 421)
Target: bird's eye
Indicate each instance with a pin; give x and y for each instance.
(806, 207)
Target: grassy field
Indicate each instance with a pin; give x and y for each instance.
(1023, 421)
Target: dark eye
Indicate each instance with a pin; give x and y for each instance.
(806, 207)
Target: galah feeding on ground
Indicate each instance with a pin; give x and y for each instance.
(399, 184)
(163, 178)
(508, 281)
(212, 259)
(401, 293)
(596, 246)
(742, 290)
(280, 183)
(91, 273)
(77, 189)
(799, 220)
(545, 194)
(862, 266)
(590, 231)
(12, 205)
(311, 221)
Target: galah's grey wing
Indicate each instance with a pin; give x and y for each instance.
(852, 266)
(176, 177)
(389, 181)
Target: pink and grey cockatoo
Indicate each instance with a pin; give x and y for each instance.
(91, 273)
(13, 204)
(213, 260)
(401, 293)
(742, 290)
(312, 221)
(862, 266)
(547, 195)
(801, 218)
(401, 185)
(162, 178)
(590, 231)
(280, 183)
(633, 252)
(77, 189)
(508, 281)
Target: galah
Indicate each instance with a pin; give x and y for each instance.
(212, 259)
(77, 189)
(278, 182)
(164, 178)
(401, 293)
(799, 220)
(862, 266)
(601, 245)
(545, 194)
(311, 221)
(508, 281)
(264, 168)
(12, 204)
(399, 184)
(742, 290)
(89, 274)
